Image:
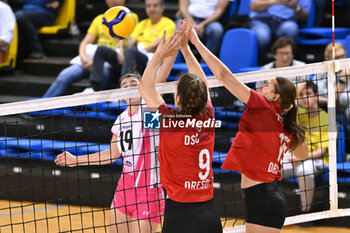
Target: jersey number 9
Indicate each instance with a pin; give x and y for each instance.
(204, 163)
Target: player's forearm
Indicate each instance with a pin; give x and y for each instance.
(165, 69)
(223, 74)
(215, 65)
(192, 63)
(147, 84)
(148, 78)
(98, 158)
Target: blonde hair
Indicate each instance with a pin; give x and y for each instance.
(329, 49)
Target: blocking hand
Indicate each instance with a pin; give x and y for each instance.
(170, 47)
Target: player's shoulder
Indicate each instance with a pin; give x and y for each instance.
(122, 117)
(256, 96)
(166, 109)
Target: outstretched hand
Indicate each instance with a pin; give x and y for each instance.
(186, 27)
(189, 33)
(170, 47)
(194, 37)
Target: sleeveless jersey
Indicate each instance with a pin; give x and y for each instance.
(138, 148)
(185, 156)
(259, 146)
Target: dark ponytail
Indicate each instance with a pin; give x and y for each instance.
(192, 93)
(287, 91)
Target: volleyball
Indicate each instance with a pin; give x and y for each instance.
(118, 22)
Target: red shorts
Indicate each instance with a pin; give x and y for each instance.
(143, 203)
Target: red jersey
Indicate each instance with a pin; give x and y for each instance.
(186, 155)
(259, 146)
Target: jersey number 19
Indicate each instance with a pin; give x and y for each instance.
(126, 137)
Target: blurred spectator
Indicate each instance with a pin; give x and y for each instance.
(33, 15)
(7, 25)
(315, 121)
(271, 19)
(342, 89)
(320, 6)
(81, 65)
(142, 44)
(283, 52)
(146, 36)
(204, 16)
(342, 77)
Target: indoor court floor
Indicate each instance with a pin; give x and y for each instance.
(45, 218)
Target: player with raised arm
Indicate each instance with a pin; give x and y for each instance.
(139, 195)
(267, 129)
(185, 153)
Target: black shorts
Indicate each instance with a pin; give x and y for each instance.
(201, 217)
(265, 205)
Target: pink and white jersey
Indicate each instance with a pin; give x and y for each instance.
(138, 147)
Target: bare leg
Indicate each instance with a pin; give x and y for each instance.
(140, 226)
(118, 221)
(121, 223)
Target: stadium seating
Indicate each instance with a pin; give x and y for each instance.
(230, 11)
(239, 49)
(9, 62)
(313, 36)
(243, 7)
(64, 19)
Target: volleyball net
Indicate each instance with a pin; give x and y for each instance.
(37, 194)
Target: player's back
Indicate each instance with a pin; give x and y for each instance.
(185, 156)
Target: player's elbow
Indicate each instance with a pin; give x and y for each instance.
(220, 75)
(224, 76)
(142, 87)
